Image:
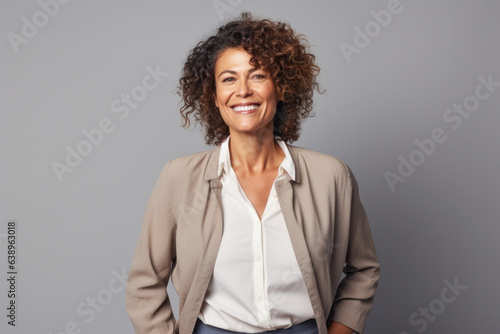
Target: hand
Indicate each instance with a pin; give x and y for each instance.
(338, 328)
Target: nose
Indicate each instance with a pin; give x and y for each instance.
(243, 89)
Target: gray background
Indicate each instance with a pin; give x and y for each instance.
(440, 224)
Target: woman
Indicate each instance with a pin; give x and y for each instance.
(255, 233)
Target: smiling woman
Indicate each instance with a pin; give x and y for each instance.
(244, 90)
(255, 232)
(272, 52)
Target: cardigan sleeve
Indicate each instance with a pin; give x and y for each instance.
(147, 302)
(355, 293)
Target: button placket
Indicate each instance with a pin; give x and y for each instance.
(258, 267)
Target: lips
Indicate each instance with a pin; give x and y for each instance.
(245, 104)
(245, 108)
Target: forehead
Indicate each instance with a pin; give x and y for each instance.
(233, 59)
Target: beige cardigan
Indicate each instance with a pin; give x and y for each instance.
(182, 230)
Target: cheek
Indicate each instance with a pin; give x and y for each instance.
(221, 97)
(271, 92)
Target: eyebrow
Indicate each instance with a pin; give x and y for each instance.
(253, 69)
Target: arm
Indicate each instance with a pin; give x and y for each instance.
(147, 302)
(355, 293)
(338, 328)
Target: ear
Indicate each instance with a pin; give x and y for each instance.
(279, 95)
(215, 100)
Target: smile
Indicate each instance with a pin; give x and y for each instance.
(245, 109)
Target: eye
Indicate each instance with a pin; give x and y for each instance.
(259, 76)
(227, 79)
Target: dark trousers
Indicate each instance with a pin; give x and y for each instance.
(306, 327)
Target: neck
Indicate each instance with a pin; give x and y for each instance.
(254, 154)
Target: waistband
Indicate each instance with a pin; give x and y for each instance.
(306, 327)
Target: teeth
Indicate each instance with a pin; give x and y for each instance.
(246, 108)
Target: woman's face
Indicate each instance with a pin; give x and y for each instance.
(245, 95)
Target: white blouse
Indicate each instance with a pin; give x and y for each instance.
(256, 283)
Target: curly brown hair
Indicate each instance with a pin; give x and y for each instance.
(273, 46)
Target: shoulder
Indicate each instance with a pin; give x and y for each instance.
(192, 160)
(311, 161)
(320, 170)
(190, 166)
